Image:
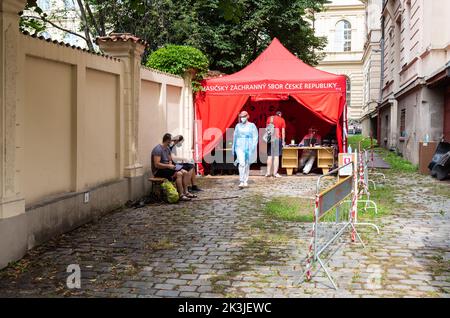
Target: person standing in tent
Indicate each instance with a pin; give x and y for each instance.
(276, 144)
(245, 141)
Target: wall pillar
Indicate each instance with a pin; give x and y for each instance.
(129, 49)
(188, 116)
(13, 228)
(394, 125)
(11, 202)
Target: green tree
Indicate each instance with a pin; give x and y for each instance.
(234, 32)
(231, 33)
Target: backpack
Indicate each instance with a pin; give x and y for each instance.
(170, 192)
(270, 130)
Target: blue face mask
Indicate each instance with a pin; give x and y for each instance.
(243, 120)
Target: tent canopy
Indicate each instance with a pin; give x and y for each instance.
(276, 74)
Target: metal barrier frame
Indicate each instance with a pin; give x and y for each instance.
(313, 248)
(315, 251)
(364, 181)
(372, 168)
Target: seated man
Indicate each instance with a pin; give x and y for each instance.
(177, 142)
(309, 156)
(163, 167)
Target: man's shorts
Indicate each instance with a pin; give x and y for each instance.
(276, 145)
(168, 174)
(188, 166)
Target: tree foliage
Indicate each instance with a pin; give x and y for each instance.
(179, 59)
(234, 32)
(231, 33)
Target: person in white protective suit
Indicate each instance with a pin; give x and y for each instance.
(309, 156)
(245, 141)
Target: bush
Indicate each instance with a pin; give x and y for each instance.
(178, 59)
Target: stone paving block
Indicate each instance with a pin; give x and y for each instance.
(204, 289)
(189, 276)
(212, 240)
(176, 281)
(210, 295)
(189, 294)
(200, 282)
(168, 293)
(189, 288)
(164, 286)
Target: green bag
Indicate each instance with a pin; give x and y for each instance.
(170, 192)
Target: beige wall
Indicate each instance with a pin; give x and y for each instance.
(101, 128)
(354, 72)
(371, 67)
(174, 111)
(75, 122)
(73, 117)
(151, 120)
(49, 128)
(345, 63)
(161, 110)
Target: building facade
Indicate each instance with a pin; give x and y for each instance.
(371, 68)
(415, 92)
(343, 24)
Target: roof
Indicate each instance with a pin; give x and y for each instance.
(277, 66)
(68, 45)
(124, 37)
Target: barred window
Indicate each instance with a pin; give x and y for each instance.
(403, 123)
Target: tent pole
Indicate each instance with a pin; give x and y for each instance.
(196, 139)
(344, 128)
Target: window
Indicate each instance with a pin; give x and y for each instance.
(403, 123)
(343, 36)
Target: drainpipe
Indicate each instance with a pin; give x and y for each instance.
(381, 78)
(382, 60)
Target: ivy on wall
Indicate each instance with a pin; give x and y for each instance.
(179, 59)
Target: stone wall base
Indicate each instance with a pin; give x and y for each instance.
(47, 219)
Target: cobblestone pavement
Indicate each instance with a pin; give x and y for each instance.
(223, 245)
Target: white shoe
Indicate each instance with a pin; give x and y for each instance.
(245, 185)
(278, 176)
(267, 175)
(241, 185)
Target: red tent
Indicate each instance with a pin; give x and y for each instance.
(276, 77)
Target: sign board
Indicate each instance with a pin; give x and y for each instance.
(332, 196)
(346, 158)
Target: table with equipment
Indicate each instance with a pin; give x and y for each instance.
(290, 158)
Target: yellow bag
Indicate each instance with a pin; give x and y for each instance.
(170, 192)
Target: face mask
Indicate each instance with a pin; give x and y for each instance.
(244, 120)
(179, 144)
(171, 144)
